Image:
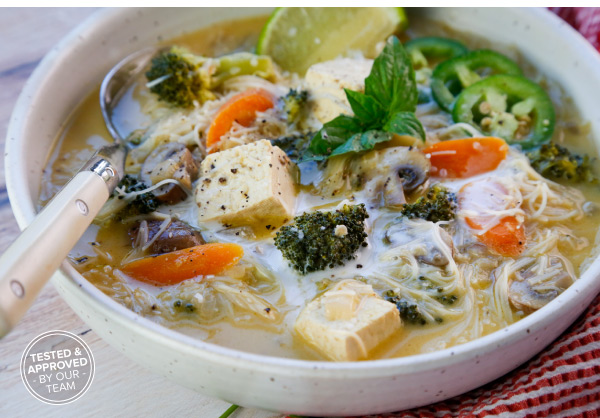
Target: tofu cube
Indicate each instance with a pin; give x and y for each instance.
(248, 185)
(348, 321)
(326, 82)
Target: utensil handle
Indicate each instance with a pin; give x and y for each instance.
(40, 249)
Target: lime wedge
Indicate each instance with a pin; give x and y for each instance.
(298, 37)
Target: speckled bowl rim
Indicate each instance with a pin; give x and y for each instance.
(24, 211)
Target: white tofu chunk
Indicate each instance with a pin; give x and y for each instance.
(326, 82)
(248, 185)
(348, 321)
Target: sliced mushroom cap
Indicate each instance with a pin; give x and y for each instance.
(435, 257)
(528, 294)
(423, 239)
(170, 161)
(391, 172)
(177, 236)
(409, 164)
(524, 298)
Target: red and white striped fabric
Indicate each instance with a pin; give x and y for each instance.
(563, 380)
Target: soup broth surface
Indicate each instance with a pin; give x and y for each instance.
(100, 252)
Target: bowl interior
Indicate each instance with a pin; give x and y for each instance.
(77, 65)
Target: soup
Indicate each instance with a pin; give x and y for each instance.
(254, 229)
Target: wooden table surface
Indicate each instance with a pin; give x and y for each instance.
(120, 387)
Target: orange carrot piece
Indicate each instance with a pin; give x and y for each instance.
(242, 109)
(507, 238)
(466, 157)
(177, 266)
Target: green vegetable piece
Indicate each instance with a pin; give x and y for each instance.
(405, 123)
(432, 49)
(320, 240)
(240, 63)
(181, 78)
(503, 125)
(333, 134)
(425, 53)
(409, 312)
(496, 100)
(539, 121)
(438, 204)
(387, 107)
(558, 163)
(294, 104)
(365, 108)
(392, 79)
(451, 77)
(141, 204)
(362, 142)
(523, 108)
(466, 76)
(294, 145)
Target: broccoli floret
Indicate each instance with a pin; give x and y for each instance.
(557, 162)
(180, 78)
(175, 77)
(438, 204)
(409, 312)
(294, 145)
(293, 105)
(318, 240)
(142, 204)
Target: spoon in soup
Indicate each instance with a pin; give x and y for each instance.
(40, 249)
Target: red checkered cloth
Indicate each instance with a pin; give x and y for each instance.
(563, 380)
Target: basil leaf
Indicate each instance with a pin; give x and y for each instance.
(365, 108)
(386, 108)
(405, 123)
(362, 142)
(392, 79)
(334, 133)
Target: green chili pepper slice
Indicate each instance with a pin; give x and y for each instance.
(432, 49)
(425, 53)
(450, 77)
(510, 107)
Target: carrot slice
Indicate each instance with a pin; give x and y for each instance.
(242, 109)
(507, 237)
(177, 266)
(466, 157)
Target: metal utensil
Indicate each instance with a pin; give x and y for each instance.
(40, 249)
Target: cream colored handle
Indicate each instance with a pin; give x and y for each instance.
(40, 249)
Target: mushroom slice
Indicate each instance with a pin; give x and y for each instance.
(435, 257)
(538, 284)
(177, 236)
(170, 161)
(426, 241)
(390, 172)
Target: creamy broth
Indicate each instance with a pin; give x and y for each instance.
(100, 252)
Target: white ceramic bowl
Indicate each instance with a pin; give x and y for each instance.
(77, 65)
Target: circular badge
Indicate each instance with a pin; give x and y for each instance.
(57, 367)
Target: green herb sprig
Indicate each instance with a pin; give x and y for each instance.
(387, 107)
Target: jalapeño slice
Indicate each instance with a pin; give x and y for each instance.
(452, 76)
(432, 49)
(425, 53)
(508, 106)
